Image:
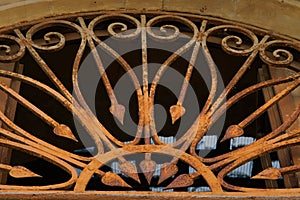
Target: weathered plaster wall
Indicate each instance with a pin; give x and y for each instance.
(277, 15)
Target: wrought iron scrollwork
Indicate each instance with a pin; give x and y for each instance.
(8, 55)
(233, 40)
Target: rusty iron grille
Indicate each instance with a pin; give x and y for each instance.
(82, 134)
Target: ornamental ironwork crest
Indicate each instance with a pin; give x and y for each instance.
(147, 102)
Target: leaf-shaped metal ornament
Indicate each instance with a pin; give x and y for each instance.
(269, 174)
(64, 131)
(22, 172)
(130, 170)
(148, 168)
(232, 132)
(176, 112)
(167, 170)
(184, 180)
(118, 111)
(112, 179)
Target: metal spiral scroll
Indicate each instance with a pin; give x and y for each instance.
(236, 40)
(7, 41)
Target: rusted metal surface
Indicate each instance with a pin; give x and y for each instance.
(90, 195)
(275, 51)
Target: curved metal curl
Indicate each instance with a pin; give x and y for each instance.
(280, 57)
(50, 36)
(116, 25)
(11, 56)
(237, 40)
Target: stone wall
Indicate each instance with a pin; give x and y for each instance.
(280, 16)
